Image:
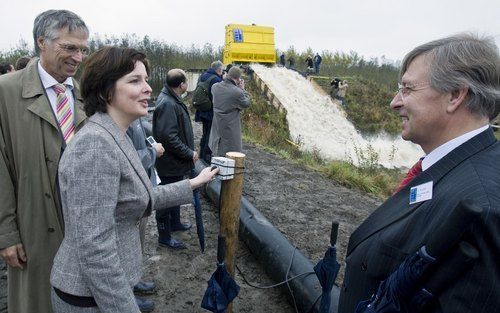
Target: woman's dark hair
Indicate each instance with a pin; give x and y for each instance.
(101, 71)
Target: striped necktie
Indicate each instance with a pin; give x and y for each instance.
(63, 112)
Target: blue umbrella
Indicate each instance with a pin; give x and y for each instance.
(426, 273)
(222, 288)
(327, 270)
(200, 230)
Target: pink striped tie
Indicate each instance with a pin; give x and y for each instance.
(64, 114)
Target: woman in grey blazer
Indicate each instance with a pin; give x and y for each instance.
(105, 191)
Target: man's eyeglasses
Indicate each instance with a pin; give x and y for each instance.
(74, 49)
(406, 90)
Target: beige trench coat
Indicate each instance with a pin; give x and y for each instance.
(30, 213)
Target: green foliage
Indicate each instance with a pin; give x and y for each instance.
(368, 107)
(22, 49)
(341, 64)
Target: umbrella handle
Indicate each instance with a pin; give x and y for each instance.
(453, 228)
(334, 233)
(221, 249)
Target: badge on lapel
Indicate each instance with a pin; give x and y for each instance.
(421, 192)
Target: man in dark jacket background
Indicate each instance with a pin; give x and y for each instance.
(205, 117)
(172, 128)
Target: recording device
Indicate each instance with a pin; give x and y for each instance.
(151, 140)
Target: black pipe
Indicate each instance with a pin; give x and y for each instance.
(275, 253)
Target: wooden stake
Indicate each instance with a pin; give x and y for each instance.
(230, 200)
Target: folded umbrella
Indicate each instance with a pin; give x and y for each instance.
(222, 288)
(407, 288)
(198, 213)
(327, 270)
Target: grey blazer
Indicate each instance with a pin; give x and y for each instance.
(104, 193)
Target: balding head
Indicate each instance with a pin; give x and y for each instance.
(175, 77)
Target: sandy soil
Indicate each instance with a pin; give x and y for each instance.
(299, 202)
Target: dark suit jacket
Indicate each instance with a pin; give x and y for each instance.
(172, 128)
(397, 229)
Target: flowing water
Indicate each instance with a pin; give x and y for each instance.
(319, 124)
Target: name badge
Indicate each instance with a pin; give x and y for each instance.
(421, 193)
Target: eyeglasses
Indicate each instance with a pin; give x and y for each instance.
(406, 90)
(72, 49)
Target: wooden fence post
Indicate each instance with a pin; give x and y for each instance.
(230, 201)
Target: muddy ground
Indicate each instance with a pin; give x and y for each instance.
(299, 202)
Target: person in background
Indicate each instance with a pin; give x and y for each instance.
(172, 128)
(282, 59)
(6, 67)
(105, 191)
(147, 154)
(205, 117)
(317, 63)
(449, 91)
(335, 83)
(342, 93)
(22, 62)
(291, 62)
(309, 64)
(230, 98)
(40, 111)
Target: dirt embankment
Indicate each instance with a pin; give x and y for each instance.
(299, 202)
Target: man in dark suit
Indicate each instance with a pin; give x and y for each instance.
(449, 92)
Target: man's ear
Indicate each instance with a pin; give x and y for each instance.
(457, 98)
(41, 42)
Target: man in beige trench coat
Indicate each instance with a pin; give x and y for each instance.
(31, 143)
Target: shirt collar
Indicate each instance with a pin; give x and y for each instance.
(48, 81)
(441, 151)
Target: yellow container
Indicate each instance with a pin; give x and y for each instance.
(249, 43)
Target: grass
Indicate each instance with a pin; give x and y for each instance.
(265, 126)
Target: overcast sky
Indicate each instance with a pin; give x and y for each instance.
(373, 28)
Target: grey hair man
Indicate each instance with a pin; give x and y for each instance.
(40, 110)
(449, 91)
(214, 74)
(230, 98)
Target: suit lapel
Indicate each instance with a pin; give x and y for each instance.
(32, 88)
(121, 139)
(397, 207)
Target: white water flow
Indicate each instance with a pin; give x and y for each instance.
(319, 124)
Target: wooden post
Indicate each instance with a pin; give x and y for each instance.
(230, 194)
(230, 199)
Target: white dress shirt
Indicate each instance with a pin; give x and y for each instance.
(49, 81)
(441, 151)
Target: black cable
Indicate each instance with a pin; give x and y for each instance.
(271, 286)
(286, 281)
(287, 284)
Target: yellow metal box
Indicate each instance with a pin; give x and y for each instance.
(249, 43)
